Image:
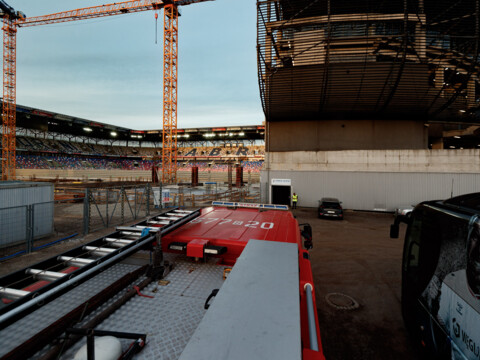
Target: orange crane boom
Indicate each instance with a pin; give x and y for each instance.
(11, 21)
(92, 12)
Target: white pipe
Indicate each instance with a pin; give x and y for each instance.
(118, 242)
(75, 261)
(99, 251)
(163, 218)
(312, 327)
(158, 222)
(44, 274)
(12, 294)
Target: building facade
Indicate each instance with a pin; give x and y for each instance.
(339, 75)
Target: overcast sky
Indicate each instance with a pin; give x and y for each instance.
(110, 69)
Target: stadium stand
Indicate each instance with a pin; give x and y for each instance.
(39, 157)
(101, 163)
(67, 147)
(72, 163)
(215, 151)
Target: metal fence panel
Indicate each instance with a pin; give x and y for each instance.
(13, 229)
(32, 227)
(117, 205)
(68, 217)
(188, 196)
(19, 193)
(42, 219)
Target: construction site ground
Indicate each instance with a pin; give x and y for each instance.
(357, 258)
(353, 257)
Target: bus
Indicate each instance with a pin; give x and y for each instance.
(441, 276)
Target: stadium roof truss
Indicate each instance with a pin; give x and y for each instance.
(42, 123)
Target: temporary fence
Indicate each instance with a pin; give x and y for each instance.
(76, 213)
(31, 227)
(105, 207)
(195, 197)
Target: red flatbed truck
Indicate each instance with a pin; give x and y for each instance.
(240, 286)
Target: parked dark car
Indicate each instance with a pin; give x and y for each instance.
(330, 207)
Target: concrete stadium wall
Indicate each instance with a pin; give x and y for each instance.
(345, 135)
(375, 180)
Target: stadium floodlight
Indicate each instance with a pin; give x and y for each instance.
(113, 133)
(186, 136)
(241, 134)
(87, 129)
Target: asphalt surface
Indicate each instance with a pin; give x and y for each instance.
(357, 258)
(353, 257)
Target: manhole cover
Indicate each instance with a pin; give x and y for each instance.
(341, 301)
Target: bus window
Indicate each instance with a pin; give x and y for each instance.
(473, 262)
(422, 248)
(414, 254)
(412, 248)
(441, 280)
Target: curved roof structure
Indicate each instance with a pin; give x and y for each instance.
(328, 59)
(44, 121)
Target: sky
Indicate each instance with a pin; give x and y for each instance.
(110, 69)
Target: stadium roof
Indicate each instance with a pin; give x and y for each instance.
(48, 121)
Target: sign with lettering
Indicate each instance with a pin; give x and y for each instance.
(249, 224)
(285, 182)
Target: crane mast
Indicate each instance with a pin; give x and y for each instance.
(9, 110)
(170, 57)
(9, 16)
(12, 20)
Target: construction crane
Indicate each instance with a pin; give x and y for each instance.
(12, 20)
(9, 111)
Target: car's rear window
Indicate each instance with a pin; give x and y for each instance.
(331, 205)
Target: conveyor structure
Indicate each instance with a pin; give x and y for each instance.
(24, 290)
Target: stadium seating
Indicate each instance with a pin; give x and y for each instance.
(103, 163)
(38, 153)
(70, 147)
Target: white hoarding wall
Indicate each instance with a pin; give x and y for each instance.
(376, 180)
